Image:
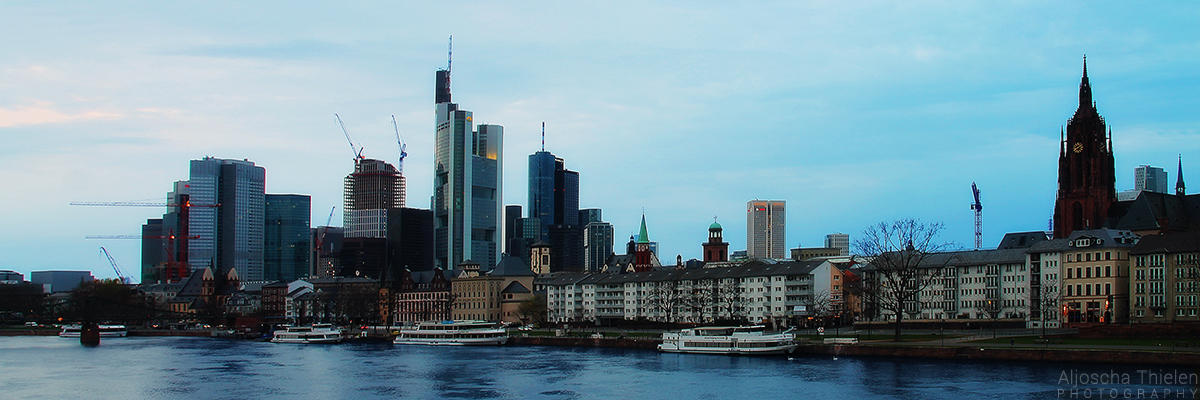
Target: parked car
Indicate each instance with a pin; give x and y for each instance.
(31, 324)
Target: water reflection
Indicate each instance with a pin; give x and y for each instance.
(171, 368)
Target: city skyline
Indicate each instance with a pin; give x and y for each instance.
(879, 128)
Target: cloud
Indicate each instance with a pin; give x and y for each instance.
(44, 113)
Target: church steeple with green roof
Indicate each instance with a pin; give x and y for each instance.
(643, 237)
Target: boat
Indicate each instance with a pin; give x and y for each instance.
(734, 340)
(315, 333)
(73, 331)
(454, 333)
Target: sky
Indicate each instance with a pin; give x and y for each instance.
(852, 114)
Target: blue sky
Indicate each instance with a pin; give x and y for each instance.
(852, 114)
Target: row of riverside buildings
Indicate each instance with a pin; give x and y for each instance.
(1133, 259)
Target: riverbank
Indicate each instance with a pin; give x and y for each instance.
(960, 351)
(965, 352)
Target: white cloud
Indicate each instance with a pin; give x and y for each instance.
(44, 113)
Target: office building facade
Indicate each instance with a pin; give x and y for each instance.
(1149, 179)
(512, 213)
(468, 188)
(598, 244)
(287, 239)
(373, 188)
(231, 235)
(838, 241)
(765, 225)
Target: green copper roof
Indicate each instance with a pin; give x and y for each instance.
(714, 225)
(643, 237)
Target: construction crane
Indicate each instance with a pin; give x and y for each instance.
(399, 142)
(176, 268)
(357, 152)
(978, 208)
(321, 240)
(121, 275)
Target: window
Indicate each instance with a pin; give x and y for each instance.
(1107, 255)
(1107, 288)
(1107, 270)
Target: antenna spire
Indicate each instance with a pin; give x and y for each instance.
(543, 135)
(450, 54)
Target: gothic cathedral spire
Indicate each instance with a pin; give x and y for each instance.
(1086, 177)
(1179, 189)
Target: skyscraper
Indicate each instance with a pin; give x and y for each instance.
(553, 191)
(467, 188)
(512, 213)
(838, 241)
(1149, 179)
(554, 200)
(152, 249)
(373, 188)
(231, 235)
(287, 246)
(589, 215)
(598, 244)
(765, 229)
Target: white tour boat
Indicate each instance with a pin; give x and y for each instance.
(454, 333)
(315, 333)
(73, 331)
(728, 340)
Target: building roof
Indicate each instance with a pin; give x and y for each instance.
(515, 287)
(1022, 240)
(1050, 246)
(748, 269)
(714, 225)
(511, 266)
(1107, 237)
(1156, 211)
(424, 277)
(971, 258)
(339, 279)
(1171, 242)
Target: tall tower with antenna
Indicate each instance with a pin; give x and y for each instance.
(467, 188)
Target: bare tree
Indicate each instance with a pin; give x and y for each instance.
(1048, 303)
(698, 298)
(904, 262)
(665, 299)
(820, 306)
(728, 297)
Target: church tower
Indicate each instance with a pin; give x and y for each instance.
(1179, 188)
(715, 250)
(1086, 177)
(642, 256)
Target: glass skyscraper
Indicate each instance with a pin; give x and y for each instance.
(553, 191)
(765, 225)
(286, 254)
(231, 235)
(467, 189)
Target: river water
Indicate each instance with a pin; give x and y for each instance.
(203, 368)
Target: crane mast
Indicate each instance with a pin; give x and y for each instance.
(120, 275)
(399, 142)
(977, 206)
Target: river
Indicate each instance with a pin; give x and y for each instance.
(203, 368)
